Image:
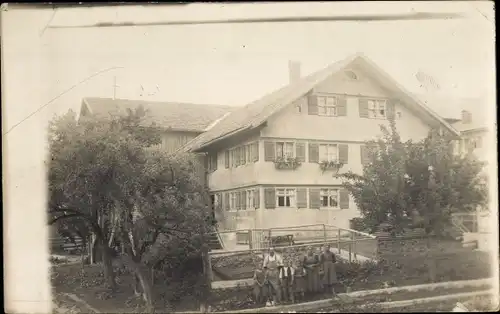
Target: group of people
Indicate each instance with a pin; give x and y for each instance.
(277, 280)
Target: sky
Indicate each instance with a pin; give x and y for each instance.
(218, 64)
(235, 64)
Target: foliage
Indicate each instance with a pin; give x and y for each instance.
(287, 163)
(330, 165)
(415, 184)
(105, 179)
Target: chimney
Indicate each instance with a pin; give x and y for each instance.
(466, 117)
(294, 71)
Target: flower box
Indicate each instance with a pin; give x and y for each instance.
(334, 165)
(287, 163)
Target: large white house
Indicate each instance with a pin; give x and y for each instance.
(267, 160)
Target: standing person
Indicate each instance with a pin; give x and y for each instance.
(328, 260)
(311, 264)
(300, 282)
(260, 285)
(286, 276)
(271, 264)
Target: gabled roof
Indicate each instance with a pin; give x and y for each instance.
(256, 113)
(170, 115)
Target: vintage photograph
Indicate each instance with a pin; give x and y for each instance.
(246, 157)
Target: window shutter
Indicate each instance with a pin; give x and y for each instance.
(226, 158)
(391, 111)
(243, 196)
(238, 200)
(301, 151)
(301, 198)
(363, 108)
(206, 163)
(342, 106)
(255, 151)
(243, 156)
(237, 156)
(313, 152)
(226, 201)
(314, 200)
(269, 151)
(219, 201)
(343, 153)
(344, 199)
(256, 198)
(270, 198)
(312, 104)
(214, 158)
(364, 155)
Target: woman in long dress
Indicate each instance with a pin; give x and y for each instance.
(271, 264)
(311, 264)
(328, 260)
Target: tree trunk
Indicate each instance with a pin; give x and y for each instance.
(142, 277)
(107, 262)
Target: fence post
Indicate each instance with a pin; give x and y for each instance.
(350, 251)
(250, 239)
(324, 232)
(270, 241)
(338, 241)
(354, 245)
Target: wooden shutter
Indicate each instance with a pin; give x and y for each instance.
(219, 201)
(391, 109)
(243, 156)
(269, 198)
(362, 151)
(301, 151)
(206, 163)
(226, 201)
(256, 198)
(255, 151)
(269, 151)
(313, 152)
(312, 104)
(243, 201)
(314, 200)
(226, 159)
(237, 156)
(343, 153)
(344, 199)
(238, 200)
(215, 162)
(363, 108)
(342, 106)
(302, 198)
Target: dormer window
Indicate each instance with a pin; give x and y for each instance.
(351, 75)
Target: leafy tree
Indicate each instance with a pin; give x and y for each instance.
(415, 184)
(104, 179)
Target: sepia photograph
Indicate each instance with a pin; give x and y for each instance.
(274, 157)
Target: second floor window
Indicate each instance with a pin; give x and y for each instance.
(285, 197)
(232, 201)
(377, 108)
(328, 152)
(327, 106)
(250, 199)
(329, 198)
(284, 149)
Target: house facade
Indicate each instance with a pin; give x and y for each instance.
(272, 162)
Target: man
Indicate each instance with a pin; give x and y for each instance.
(271, 264)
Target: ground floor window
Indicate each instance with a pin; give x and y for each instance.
(250, 194)
(285, 197)
(232, 201)
(329, 198)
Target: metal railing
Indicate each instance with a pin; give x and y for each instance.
(466, 222)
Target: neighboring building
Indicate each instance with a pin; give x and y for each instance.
(180, 122)
(264, 159)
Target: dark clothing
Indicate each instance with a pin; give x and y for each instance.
(286, 276)
(260, 287)
(328, 260)
(311, 264)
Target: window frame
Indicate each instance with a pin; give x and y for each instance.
(327, 154)
(294, 149)
(329, 194)
(327, 107)
(232, 201)
(378, 105)
(250, 202)
(291, 193)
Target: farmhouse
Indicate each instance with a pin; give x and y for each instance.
(271, 162)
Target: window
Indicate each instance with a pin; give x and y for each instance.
(327, 106)
(242, 154)
(232, 201)
(250, 199)
(351, 75)
(284, 149)
(328, 152)
(376, 108)
(329, 198)
(248, 150)
(285, 197)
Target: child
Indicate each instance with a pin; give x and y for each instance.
(260, 285)
(286, 277)
(300, 280)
